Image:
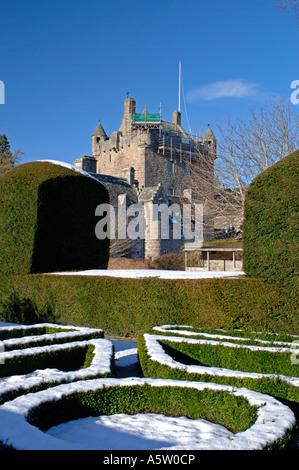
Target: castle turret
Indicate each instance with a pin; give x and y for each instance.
(209, 140)
(99, 135)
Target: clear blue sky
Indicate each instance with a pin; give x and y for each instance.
(68, 63)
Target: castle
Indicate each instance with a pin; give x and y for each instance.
(147, 160)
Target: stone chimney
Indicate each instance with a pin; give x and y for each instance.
(129, 175)
(176, 118)
(129, 108)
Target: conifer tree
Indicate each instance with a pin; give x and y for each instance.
(8, 159)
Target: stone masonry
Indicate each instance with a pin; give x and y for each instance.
(153, 156)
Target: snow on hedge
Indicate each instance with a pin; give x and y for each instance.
(185, 330)
(28, 340)
(157, 353)
(163, 432)
(101, 363)
(273, 418)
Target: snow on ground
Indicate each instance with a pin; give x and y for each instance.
(139, 432)
(162, 274)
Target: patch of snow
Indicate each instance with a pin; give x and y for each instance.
(70, 167)
(161, 274)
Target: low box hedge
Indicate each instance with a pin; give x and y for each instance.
(22, 336)
(47, 366)
(169, 357)
(66, 358)
(214, 405)
(249, 415)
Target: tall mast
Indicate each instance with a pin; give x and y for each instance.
(179, 86)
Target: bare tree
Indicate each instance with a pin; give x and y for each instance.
(121, 244)
(120, 247)
(292, 5)
(244, 149)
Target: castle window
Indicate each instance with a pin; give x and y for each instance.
(170, 167)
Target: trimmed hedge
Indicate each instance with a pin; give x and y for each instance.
(65, 358)
(271, 223)
(47, 220)
(214, 405)
(132, 306)
(268, 372)
(66, 355)
(22, 337)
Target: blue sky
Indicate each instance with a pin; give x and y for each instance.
(66, 64)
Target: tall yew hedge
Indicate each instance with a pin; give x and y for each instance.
(271, 224)
(47, 220)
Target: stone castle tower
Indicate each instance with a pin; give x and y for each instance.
(146, 151)
(150, 154)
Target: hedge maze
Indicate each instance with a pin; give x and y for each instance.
(55, 373)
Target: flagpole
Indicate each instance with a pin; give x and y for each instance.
(180, 86)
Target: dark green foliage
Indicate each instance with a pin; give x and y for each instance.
(24, 312)
(271, 224)
(238, 358)
(4, 144)
(47, 220)
(7, 158)
(222, 407)
(133, 306)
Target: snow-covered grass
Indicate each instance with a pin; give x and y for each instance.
(139, 431)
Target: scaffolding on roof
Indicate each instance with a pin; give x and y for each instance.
(146, 120)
